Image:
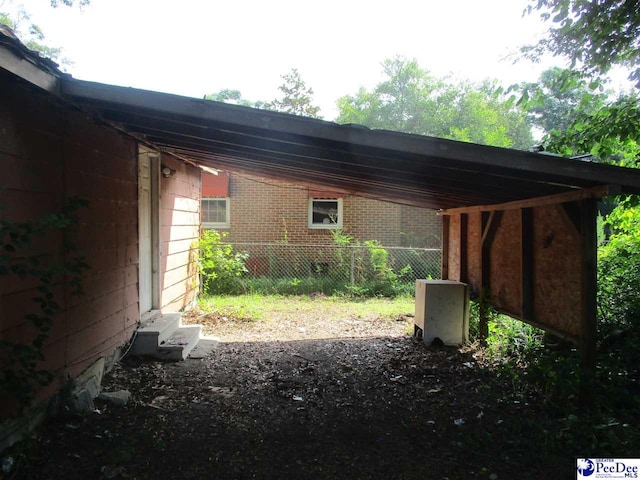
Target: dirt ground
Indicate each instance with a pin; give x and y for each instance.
(305, 397)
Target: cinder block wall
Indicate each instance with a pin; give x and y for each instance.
(49, 153)
(265, 210)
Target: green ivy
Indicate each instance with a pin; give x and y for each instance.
(21, 375)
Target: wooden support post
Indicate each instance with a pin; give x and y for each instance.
(526, 215)
(589, 286)
(446, 220)
(464, 222)
(490, 224)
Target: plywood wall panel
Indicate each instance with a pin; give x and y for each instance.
(506, 277)
(557, 272)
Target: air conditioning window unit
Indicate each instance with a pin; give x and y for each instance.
(442, 311)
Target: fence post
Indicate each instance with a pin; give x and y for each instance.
(352, 280)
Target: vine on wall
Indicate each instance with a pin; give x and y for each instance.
(21, 375)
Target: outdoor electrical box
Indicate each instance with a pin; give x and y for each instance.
(442, 311)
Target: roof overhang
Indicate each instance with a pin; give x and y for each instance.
(413, 169)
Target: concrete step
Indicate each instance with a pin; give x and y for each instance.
(155, 329)
(179, 344)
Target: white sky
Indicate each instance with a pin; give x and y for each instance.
(195, 47)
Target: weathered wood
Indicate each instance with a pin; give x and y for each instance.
(490, 224)
(445, 248)
(527, 263)
(454, 248)
(570, 214)
(505, 264)
(589, 286)
(474, 249)
(464, 251)
(572, 196)
(557, 272)
(200, 113)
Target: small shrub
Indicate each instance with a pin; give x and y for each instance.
(221, 268)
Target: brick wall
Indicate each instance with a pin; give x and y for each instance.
(273, 211)
(179, 229)
(49, 153)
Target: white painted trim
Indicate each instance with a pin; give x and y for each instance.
(227, 222)
(325, 226)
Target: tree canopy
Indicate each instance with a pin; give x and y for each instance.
(234, 97)
(412, 100)
(31, 35)
(296, 98)
(593, 34)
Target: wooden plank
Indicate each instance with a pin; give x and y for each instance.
(557, 272)
(464, 250)
(570, 214)
(588, 315)
(26, 70)
(505, 264)
(200, 113)
(572, 196)
(490, 223)
(445, 248)
(527, 263)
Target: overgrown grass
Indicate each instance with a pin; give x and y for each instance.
(596, 415)
(258, 307)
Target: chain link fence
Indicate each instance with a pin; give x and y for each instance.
(355, 269)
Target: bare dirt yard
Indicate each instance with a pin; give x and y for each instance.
(320, 389)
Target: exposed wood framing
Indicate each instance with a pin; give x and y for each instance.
(589, 285)
(490, 224)
(585, 193)
(527, 259)
(464, 239)
(445, 247)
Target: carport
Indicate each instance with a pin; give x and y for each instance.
(519, 227)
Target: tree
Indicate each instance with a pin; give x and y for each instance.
(296, 97)
(18, 20)
(234, 97)
(412, 100)
(559, 96)
(593, 34)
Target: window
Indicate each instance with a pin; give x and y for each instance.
(215, 212)
(325, 213)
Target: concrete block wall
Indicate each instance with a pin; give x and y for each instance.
(49, 152)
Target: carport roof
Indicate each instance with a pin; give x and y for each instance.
(412, 169)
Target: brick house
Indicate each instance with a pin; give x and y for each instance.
(254, 209)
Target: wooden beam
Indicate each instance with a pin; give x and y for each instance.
(589, 286)
(527, 262)
(464, 251)
(490, 224)
(571, 196)
(445, 248)
(28, 71)
(570, 214)
(200, 112)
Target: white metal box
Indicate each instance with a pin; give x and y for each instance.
(442, 311)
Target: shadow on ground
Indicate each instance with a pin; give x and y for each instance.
(377, 408)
